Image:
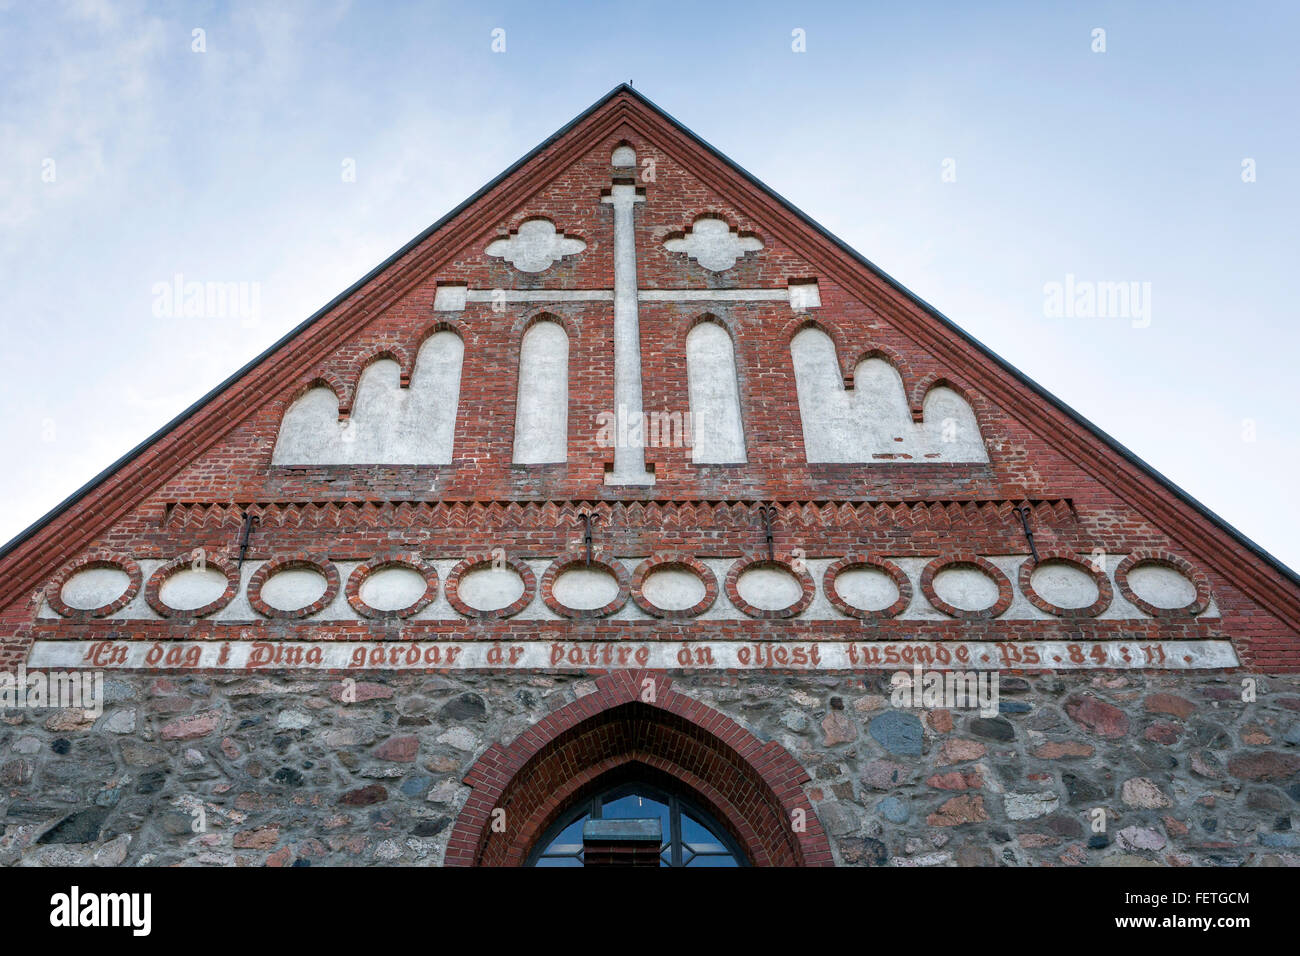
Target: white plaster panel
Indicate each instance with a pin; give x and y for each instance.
(535, 246)
(1162, 586)
(392, 588)
(662, 655)
(1064, 585)
(769, 589)
(191, 588)
(449, 298)
(819, 608)
(673, 588)
(867, 589)
(967, 588)
(293, 588)
(542, 407)
(714, 295)
(713, 244)
(389, 425)
(584, 589)
(873, 421)
(951, 428)
(722, 609)
(804, 296)
(630, 611)
(537, 609)
(623, 156)
(490, 589)
(716, 426)
(94, 587)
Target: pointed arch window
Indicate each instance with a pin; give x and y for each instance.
(691, 836)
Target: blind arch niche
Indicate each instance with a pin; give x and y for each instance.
(542, 405)
(717, 426)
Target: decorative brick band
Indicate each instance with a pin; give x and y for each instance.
(198, 560)
(634, 723)
(1105, 593)
(848, 563)
(94, 559)
(392, 559)
(966, 559)
(289, 562)
(498, 559)
(1174, 562)
(330, 515)
(684, 562)
(783, 562)
(600, 558)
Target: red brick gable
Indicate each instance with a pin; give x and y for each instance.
(190, 486)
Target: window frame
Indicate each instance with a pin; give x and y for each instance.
(677, 802)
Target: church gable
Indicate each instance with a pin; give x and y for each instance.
(625, 480)
(618, 335)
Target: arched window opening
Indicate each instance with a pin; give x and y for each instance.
(692, 837)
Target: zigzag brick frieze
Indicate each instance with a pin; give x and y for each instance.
(1055, 513)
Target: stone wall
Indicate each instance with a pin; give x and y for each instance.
(289, 770)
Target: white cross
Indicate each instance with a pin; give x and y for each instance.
(629, 467)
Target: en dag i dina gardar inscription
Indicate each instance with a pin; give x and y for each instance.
(250, 655)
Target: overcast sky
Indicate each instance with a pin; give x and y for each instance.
(977, 156)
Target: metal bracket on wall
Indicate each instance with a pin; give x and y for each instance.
(250, 521)
(766, 512)
(586, 534)
(1023, 514)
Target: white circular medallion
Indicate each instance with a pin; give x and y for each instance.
(585, 589)
(95, 588)
(768, 588)
(1064, 584)
(673, 589)
(389, 589)
(865, 588)
(491, 589)
(191, 588)
(294, 588)
(966, 588)
(1161, 586)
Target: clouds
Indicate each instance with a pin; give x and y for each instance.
(225, 166)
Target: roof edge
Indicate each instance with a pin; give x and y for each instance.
(1097, 432)
(44, 520)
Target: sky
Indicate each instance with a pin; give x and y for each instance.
(988, 159)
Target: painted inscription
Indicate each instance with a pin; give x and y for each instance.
(606, 655)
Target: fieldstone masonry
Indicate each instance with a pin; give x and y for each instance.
(272, 769)
(406, 591)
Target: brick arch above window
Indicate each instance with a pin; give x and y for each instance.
(754, 788)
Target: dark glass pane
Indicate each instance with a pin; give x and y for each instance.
(559, 861)
(713, 861)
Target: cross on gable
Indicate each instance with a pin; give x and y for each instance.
(629, 467)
